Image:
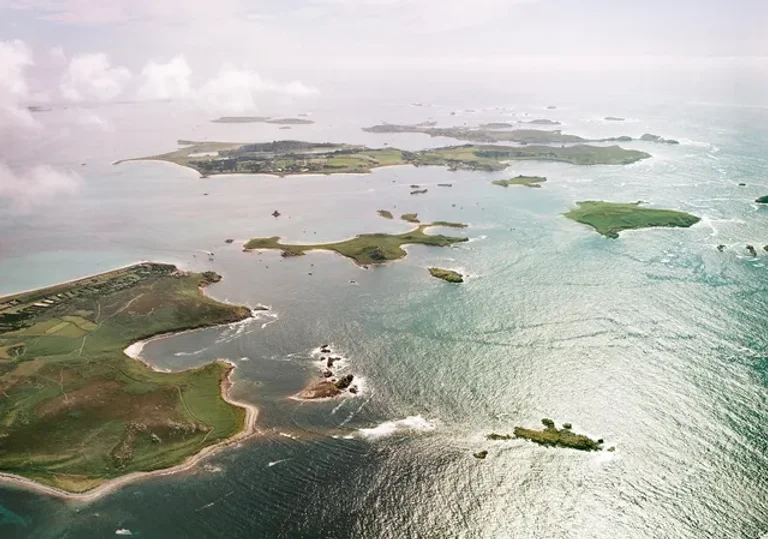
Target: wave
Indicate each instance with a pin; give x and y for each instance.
(275, 462)
(388, 428)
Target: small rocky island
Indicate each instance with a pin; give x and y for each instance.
(329, 385)
(386, 214)
(446, 275)
(526, 181)
(656, 138)
(614, 119)
(551, 436)
(762, 199)
(610, 218)
(366, 249)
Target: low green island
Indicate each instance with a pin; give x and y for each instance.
(410, 217)
(365, 249)
(446, 275)
(386, 214)
(291, 157)
(526, 181)
(496, 133)
(76, 411)
(611, 218)
(261, 120)
(762, 200)
(614, 119)
(551, 436)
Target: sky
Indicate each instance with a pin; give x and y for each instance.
(231, 56)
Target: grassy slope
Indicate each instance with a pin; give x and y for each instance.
(77, 411)
(365, 249)
(610, 218)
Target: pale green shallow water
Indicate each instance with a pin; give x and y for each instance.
(655, 341)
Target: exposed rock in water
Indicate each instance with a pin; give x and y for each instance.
(480, 454)
(742, 184)
(276, 213)
(327, 373)
(319, 390)
(445, 185)
(229, 240)
(752, 250)
(721, 247)
(331, 361)
(345, 381)
(419, 191)
(353, 390)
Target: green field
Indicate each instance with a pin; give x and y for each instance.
(291, 157)
(526, 181)
(610, 218)
(76, 411)
(365, 249)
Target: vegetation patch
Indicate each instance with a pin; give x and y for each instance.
(76, 411)
(551, 436)
(527, 181)
(610, 218)
(365, 249)
(447, 275)
(762, 199)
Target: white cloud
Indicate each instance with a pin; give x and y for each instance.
(92, 77)
(23, 188)
(236, 89)
(166, 81)
(15, 58)
(28, 187)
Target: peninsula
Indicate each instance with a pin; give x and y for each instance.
(527, 181)
(295, 157)
(610, 218)
(365, 249)
(80, 415)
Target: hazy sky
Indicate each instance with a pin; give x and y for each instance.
(235, 55)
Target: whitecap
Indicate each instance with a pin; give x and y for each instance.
(388, 428)
(123, 531)
(275, 462)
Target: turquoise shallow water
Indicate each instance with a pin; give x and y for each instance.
(655, 342)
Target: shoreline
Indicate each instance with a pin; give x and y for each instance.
(249, 429)
(133, 351)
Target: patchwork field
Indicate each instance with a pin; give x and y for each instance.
(75, 411)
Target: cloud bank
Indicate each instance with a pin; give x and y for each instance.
(91, 77)
(23, 187)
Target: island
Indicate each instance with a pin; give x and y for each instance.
(614, 119)
(542, 121)
(288, 157)
(527, 181)
(81, 416)
(610, 218)
(365, 249)
(385, 214)
(410, 217)
(496, 134)
(328, 386)
(446, 275)
(261, 120)
(762, 200)
(497, 125)
(656, 138)
(551, 436)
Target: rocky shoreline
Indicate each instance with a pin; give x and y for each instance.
(330, 385)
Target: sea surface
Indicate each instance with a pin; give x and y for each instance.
(656, 341)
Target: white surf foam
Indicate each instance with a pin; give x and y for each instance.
(388, 428)
(275, 462)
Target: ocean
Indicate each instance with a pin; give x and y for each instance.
(655, 341)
